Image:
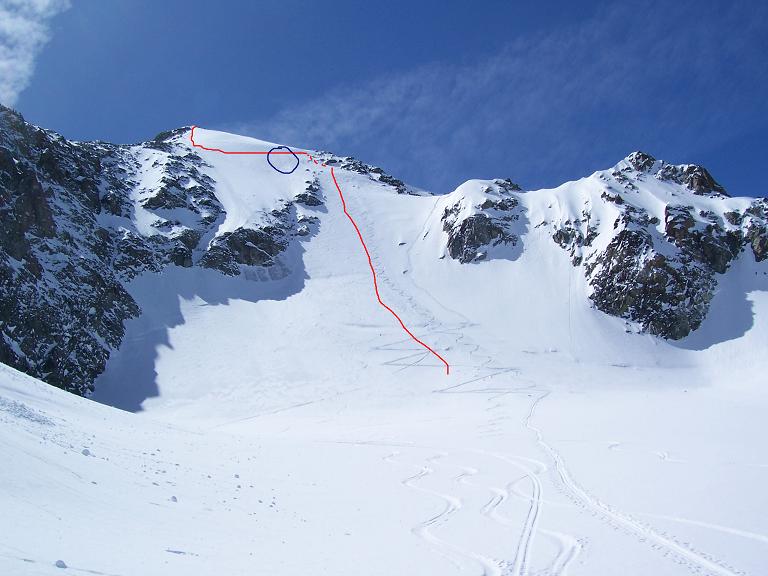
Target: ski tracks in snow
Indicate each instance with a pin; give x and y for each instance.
(696, 561)
(463, 560)
(568, 546)
(483, 530)
(514, 556)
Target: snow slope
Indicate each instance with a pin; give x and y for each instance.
(289, 426)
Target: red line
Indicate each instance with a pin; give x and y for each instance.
(359, 235)
(196, 145)
(375, 282)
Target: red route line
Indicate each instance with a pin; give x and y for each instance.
(375, 282)
(359, 235)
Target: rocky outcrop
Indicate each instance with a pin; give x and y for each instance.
(705, 242)
(660, 273)
(69, 241)
(475, 228)
(631, 280)
(466, 240)
(373, 172)
(63, 305)
(693, 177)
(311, 195)
(246, 246)
(575, 236)
(754, 222)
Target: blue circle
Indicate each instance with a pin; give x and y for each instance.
(292, 154)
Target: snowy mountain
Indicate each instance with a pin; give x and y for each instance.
(81, 220)
(603, 410)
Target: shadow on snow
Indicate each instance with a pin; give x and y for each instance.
(131, 377)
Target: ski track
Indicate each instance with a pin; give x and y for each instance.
(530, 525)
(568, 546)
(757, 537)
(696, 561)
(454, 554)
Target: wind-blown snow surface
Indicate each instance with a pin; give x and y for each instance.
(290, 427)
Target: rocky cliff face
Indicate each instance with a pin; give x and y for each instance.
(80, 220)
(660, 270)
(63, 304)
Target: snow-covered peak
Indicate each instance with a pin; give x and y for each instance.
(692, 176)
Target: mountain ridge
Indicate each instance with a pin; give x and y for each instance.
(81, 221)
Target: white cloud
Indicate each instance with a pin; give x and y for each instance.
(23, 33)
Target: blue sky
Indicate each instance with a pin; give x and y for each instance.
(434, 92)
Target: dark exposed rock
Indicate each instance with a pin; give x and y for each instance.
(695, 178)
(168, 135)
(376, 173)
(664, 280)
(712, 246)
(629, 280)
(62, 304)
(390, 180)
(219, 257)
(678, 221)
(570, 237)
(734, 218)
(465, 241)
(641, 161)
(755, 219)
(68, 241)
(507, 185)
(306, 225)
(311, 195)
(189, 238)
(244, 246)
(166, 197)
(757, 236)
(615, 199)
(470, 237)
(114, 203)
(505, 204)
(181, 256)
(758, 209)
(759, 245)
